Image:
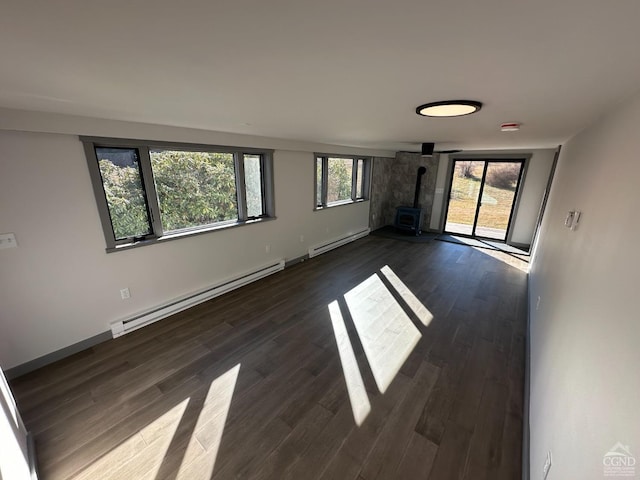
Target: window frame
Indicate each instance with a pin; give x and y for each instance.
(158, 234)
(365, 172)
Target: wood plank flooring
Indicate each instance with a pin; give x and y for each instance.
(382, 359)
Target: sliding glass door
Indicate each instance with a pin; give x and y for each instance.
(463, 197)
(482, 195)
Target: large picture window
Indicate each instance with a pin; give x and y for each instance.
(152, 191)
(341, 180)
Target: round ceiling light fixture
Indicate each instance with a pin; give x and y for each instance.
(449, 108)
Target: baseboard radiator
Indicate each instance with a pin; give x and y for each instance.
(142, 319)
(325, 247)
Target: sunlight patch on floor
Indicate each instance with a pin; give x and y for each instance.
(355, 385)
(422, 312)
(148, 453)
(210, 426)
(509, 259)
(387, 334)
(139, 457)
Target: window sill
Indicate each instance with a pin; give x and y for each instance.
(186, 233)
(340, 204)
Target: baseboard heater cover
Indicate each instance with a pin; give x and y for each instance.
(325, 247)
(142, 319)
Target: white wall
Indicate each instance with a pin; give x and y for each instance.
(585, 336)
(531, 192)
(59, 286)
(27, 121)
(439, 202)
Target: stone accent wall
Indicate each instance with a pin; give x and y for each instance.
(379, 192)
(393, 184)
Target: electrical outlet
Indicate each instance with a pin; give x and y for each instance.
(538, 303)
(8, 240)
(547, 466)
(125, 293)
(267, 248)
(301, 238)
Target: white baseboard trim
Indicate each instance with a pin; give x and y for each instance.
(139, 320)
(30, 366)
(338, 242)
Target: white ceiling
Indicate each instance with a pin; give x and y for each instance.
(346, 72)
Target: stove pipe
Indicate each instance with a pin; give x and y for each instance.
(421, 172)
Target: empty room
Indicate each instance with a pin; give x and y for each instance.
(319, 240)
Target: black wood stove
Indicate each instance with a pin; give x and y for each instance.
(409, 219)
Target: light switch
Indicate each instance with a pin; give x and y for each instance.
(572, 219)
(8, 240)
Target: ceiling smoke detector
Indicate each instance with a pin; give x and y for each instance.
(510, 127)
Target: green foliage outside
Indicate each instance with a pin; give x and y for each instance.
(253, 184)
(503, 175)
(194, 188)
(126, 200)
(339, 182)
(319, 181)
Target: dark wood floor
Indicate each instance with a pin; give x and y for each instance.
(254, 384)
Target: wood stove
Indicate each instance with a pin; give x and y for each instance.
(409, 219)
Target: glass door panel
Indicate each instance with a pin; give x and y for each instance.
(498, 195)
(464, 195)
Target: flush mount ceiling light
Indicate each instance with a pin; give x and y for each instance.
(449, 108)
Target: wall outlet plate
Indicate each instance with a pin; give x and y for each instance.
(124, 293)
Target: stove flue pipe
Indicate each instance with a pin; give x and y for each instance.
(421, 172)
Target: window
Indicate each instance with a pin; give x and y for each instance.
(194, 188)
(253, 179)
(124, 192)
(150, 191)
(341, 180)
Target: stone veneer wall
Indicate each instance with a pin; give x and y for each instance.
(393, 184)
(379, 192)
